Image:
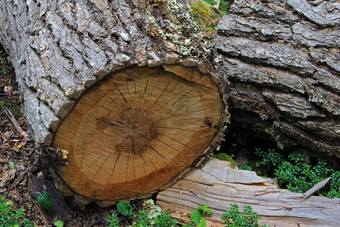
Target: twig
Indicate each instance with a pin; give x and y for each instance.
(22, 176)
(4, 190)
(99, 220)
(315, 188)
(17, 193)
(16, 124)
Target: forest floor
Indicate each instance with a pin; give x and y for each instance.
(18, 154)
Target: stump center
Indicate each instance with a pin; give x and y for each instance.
(134, 129)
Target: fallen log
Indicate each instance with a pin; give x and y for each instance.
(125, 89)
(219, 186)
(282, 59)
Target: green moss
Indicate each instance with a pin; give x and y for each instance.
(12, 104)
(206, 16)
(201, 10)
(225, 157)
(245, 167)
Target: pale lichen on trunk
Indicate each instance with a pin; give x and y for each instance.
(75, 63)
(61, 48)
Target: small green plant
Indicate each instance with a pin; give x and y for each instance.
(295, 174)
(224, 5)
(113, 220)
(164, 220)
(5, 69)
(11, 217)
(144, 218)
(58, 223)
(197, 215)
(141, 219)
(211, 2)
(334, 185)
(245, 167)
(298, 176)
(271, 157)
(124, 208)
(45, 200)
(233, 218)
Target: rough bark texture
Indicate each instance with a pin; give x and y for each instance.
(282, 58)
(60, 49)
(218, 185)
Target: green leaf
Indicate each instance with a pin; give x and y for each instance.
(9, 203)
(124, 208)
(196, 216)
(205, 209)
(211, 2)
(45, 200)
(113, 220)
(202, 223)
(59, 223)
(245, 167)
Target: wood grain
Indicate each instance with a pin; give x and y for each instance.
(218, 185)
(136, 131)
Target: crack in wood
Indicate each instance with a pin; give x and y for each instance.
(120, 92)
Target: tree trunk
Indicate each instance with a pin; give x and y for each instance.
(282, 59)
(124, 89)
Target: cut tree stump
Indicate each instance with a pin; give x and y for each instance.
(126, 90)
(219, 186)
(131, 134)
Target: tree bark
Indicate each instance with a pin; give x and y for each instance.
(282, 59)
(125, 89)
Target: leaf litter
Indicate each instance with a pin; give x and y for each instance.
(19, 154)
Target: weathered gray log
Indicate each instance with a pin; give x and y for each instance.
(107, 82)
(282, 59)
(219, 186)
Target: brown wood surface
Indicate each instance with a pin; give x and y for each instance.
(136, 131)
(125, 88)
(218, 185)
